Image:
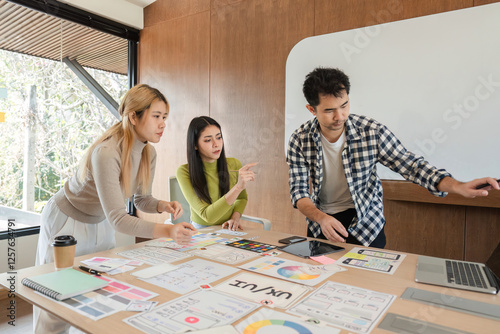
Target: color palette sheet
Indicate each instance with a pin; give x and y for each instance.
(292, 271)
(269, 321)
(198, 310)
(253, 246)
(107, 301)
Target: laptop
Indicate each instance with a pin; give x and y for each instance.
(464, 275)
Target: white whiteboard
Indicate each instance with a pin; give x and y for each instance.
(433, 80)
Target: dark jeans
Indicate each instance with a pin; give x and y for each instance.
(345, 217)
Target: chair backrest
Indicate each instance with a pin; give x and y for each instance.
(176, 194)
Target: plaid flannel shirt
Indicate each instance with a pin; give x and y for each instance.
(367, 143)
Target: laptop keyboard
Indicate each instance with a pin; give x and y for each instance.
(468, 274)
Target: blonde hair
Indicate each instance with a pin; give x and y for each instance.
(136, 101)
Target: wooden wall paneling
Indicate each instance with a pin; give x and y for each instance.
(251, 41)
(482, 233)
(333, 16)
(174, 57)
(164, 10)
(222, 3)
(422, 228)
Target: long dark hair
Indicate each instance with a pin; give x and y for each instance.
(195, 164)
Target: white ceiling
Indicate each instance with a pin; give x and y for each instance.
(141, 3)
(127, 12)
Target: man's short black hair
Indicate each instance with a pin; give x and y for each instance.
(329, 81)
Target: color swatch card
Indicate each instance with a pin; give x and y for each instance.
(250, 245)
(190, 275)
(153, 255)
(198, 310)
(224, 254)
(269, 321)
(344, 306)
(197, 241)
(293, 271)
(264, 290)
(115, 297)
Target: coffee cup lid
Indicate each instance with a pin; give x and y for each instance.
(64, 240)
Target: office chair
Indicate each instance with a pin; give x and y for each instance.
(176, 194)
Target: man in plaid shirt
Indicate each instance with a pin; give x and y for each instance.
(337, 152)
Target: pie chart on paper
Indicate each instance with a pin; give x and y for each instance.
(294, 272)
(268, 321)
(272, 326)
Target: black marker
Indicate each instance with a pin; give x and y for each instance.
(484, 185)
(92, 271)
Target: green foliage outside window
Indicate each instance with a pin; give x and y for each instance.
(67, 118)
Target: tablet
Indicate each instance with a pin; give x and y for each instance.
(310, 248)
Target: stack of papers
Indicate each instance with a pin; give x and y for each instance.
(111, 266)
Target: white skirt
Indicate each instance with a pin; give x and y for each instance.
(90, 238)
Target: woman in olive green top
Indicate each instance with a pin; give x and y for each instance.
(213, 185)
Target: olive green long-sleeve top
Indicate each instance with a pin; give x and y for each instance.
(218, 212)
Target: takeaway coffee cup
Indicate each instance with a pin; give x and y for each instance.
(64, 251)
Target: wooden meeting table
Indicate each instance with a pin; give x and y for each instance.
(391, 284)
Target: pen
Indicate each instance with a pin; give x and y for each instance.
(484, 185)
(92, 271)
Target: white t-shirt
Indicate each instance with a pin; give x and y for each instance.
(334, 196)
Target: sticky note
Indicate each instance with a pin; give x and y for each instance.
(355, 256)
(322, 259)
(2, 117)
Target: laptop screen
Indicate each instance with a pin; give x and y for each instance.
(494, 261)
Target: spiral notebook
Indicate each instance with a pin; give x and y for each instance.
(64, 284)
